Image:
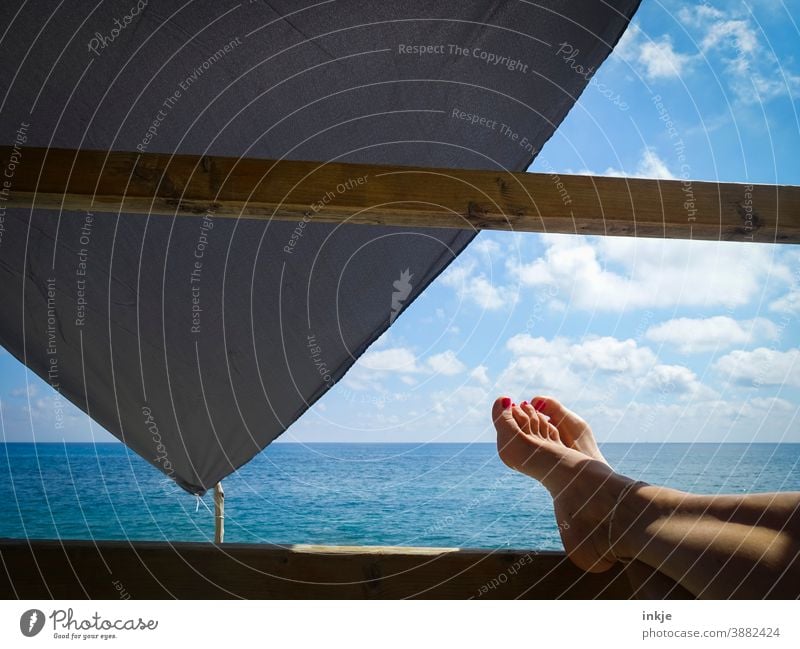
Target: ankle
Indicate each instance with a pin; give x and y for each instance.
(577, 471)
(636, 513)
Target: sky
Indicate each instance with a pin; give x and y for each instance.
(649, 340)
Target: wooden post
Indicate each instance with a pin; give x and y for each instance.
(219, 513)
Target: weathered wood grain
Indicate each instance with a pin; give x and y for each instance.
(149, 570)
(398, 196)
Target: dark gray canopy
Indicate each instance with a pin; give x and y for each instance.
(199, 372)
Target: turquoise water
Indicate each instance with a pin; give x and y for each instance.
(348, 494)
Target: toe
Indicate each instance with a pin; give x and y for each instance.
(509, 432)
(556, 410)
(534, 421)
(547, 429)
(542, 422)
(501, 412)
(565, 421)
(552, 431)
(525, 422)
(552, 408)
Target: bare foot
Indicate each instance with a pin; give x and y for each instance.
(584, 488)
(573, 430)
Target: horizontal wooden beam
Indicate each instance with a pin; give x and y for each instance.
(170, 185)
(148, 570)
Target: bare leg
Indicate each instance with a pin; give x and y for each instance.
(713, 546)
(575, 432)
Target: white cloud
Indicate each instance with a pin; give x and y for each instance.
(694, 335)
(788, 303)
(762, 366)
(783, 83)
(527, 345)
(591, 368)
(400, 362)
(599, 372)
(627, 47)
(614, 273)
(486, 246)
(676, 380)
(44, 410)
(459, 407)
(484, 293)
(395, 359)
(660, 60)
(729, 42)
(737, 34)
(525, 375)
(446, 363)
(694, 16)
(767, 404)
(29, 390)
(472, 285)
(752, 71)
(608, 354)
(695, 421)
(655, 58)
(650, 165)
(480, 375)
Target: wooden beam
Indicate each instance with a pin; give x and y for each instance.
(149, 570)
(397, 196)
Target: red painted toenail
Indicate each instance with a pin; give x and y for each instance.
(524, 403)
(537, 405)
(506, 403)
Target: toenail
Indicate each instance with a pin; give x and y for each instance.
(524, 403)
(506, 403)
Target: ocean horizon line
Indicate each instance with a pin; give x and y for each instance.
(319, 443)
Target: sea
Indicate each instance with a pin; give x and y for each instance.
(436, 495)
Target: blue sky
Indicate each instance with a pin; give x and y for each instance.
(649, 340)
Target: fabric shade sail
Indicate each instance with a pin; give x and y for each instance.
(199, 340)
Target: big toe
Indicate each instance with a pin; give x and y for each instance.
(574, 431)
(554, 409)
(503, 417)
(510, 436)
(570, 425)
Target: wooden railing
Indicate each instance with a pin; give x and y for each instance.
(44, 569)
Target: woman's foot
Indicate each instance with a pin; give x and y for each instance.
(572, 429)
(584, 488)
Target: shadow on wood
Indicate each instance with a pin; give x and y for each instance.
(43, 569)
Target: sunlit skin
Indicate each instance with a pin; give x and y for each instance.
(711, 546)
